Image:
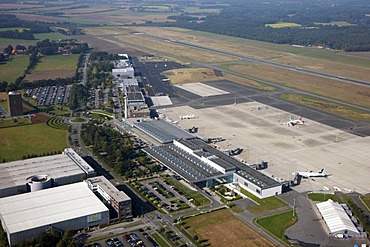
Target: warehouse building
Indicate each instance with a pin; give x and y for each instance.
(202, 165)
(110, 195)
(68, 207)
(43, 172)
(337, 220)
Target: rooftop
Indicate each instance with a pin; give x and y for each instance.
(109, 188)
(68, 163)
(163, 131)
(49, 206)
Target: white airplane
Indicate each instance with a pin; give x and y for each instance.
(293, 122)
(310, 174)
(187, 116)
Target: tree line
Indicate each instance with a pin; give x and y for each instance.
(248, 19)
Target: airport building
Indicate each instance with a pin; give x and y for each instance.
(337, 219)
(202, 165)
(43, 172)
(110, 195)
(15, 107)
(68, 207)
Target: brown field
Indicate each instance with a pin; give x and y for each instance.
(45, 75)
(178, 76)
(40, 118)
(16, 6)
(334, 89)
(222, 229)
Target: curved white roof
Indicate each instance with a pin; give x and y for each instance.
(336, 218)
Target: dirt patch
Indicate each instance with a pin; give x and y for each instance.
(39, 118)
(222, 229)
(45, 75)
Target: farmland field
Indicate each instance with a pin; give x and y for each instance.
(52, 67)
(14, 68)
(282, 25)
(222, 229)
(30, 139)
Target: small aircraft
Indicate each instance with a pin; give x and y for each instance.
(293, 122)
(187, 116)
(310, 174)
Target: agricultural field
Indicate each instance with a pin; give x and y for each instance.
(16, 142)
(337, 23)
(277, 224)
(13, 68)
(52, 67)
(222, 229)
(283, 24)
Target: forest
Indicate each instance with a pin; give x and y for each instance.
(335, 24)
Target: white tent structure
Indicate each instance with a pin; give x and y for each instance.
(337, 219)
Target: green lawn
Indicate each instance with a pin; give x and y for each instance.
(265, 204)
(58, 63)
(13, 68)
(366, 200)
(15, 142)
(159, 240)
(277, 224)
(11, 123)
(317, 197)
(78, 120)
(50, 36)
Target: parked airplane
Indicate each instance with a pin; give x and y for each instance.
(293, 122)
(187, 116)
(310, 174)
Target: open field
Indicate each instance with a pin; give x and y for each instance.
(186, 75)
(264, 135)
(283, 24)
(265, 204)
(13, 123)
(353, 94)
(278, 223)
(222, 229)
(192, 10)
(20, 29)
(13, 68)
(336, 109)
(317, 197)
(337, 23)
(366, 200)
(52, 67)
(15, 142)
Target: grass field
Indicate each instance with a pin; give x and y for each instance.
(57, 63)
(317, 197)
(333, 108)
(78, 120)
(265, 204)
(12, 123)
(20, 29)
(15, 142)
(346, 92)
(13, 68)
(277, 224)
(338, 23)
(222, 229)
(159, 240)
(186, 75)
(366, 200)
(283, 24)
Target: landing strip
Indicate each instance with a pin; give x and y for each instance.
(261, 130)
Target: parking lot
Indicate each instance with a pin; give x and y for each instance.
(130, 239)
(50, 95)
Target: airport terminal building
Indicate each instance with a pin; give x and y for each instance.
(43, 172)
(202, 165)
(68, 207)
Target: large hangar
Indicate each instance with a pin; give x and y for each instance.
(72, 206)
(43, 172)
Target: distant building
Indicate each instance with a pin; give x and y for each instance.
(68, 207)
(44, 172)
(119, 201)
(15, 107)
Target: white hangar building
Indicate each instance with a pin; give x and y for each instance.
(72, 206)
(43, 172)
(336, 218)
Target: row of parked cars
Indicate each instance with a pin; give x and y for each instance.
(156, 185)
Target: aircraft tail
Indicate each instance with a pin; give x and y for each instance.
(322, 170)
(300, 118)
